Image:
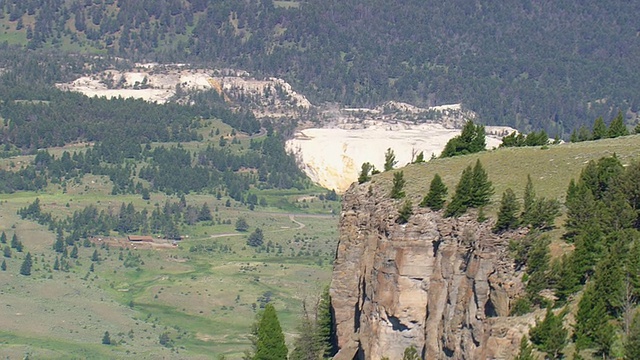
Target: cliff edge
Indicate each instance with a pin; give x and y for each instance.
(443, 285)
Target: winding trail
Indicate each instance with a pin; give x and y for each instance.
(292, 217)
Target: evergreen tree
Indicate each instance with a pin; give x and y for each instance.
(106, 338)
(436, 196)
(59, 245)
(7, 251)
(205, 213)
(364, 176)
(507, 215)
(471, 140)
(95, 256)
(389, 160)
(462, 197)
(15, 243)
(529, 199)
(256, 238)
(419, 158)
(325, 323)
(397, 191)
(56, 264)
(25, 269)
(270, 343)
(3, 267)
(537, 267)
(241, 224)
(549, 335)
(405, 212)
(307, 345)
(3, 238)
(617, 127)
(482, 188)
(74, 252)
(632, 344)
(526, 351)
(599, 129)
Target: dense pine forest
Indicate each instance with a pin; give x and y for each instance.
(550, 66)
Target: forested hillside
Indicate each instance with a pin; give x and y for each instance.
(532, 65)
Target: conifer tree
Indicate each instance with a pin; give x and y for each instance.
(419, 158)
(25, 269)
(14, 241)
(7, 251)
(325, 323)
(389, 160)
(436, 196)
(74, 252)
(507, 214)
(3, 267)
(270, 343)
(3, 238)
(56, 264)
(364, 173)
(462, 197)
(632, 344)
(528, 199)
(397, 191)
(481, 187)
(549, 335)
(106, 338)
(617, 127)
(471, 140)
(526, 351)
(410, 353)
(599, 129)
(405, 212)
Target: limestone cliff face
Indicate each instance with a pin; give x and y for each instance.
(442, 285)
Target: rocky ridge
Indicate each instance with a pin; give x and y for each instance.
(442, 285)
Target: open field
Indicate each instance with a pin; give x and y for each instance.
(204, 292)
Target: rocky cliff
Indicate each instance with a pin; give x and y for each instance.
(442, 285)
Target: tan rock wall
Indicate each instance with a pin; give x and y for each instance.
(442, 285)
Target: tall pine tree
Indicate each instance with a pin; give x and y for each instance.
(437, 194)
(270, 343)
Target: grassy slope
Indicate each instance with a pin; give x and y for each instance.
(204, 300)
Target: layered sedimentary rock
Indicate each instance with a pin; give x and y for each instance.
(443, 285)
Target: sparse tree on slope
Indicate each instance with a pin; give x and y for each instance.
(25, 269)
(507, 215)
(405, 212)
(436, 196)
(599, 129)
(460, 202)
(617, 127)
(364, 173)
(549, 335)
(397, 191)
(482, 188)
(526, 351)
(471, 140)
(389, 160)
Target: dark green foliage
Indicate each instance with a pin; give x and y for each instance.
(389, 160)
(526, 351)
(25, 268)
(599, 129)
(474, 190)
(532, 139)
(241, 224)
(550, 336)
(419, 158)
(637, 129)
(405, 212)
(471, 140)
(632, 344)
(3, 238)
(397, 191)
(364, 173)
(521, 306)
(165, 340)
(256, 238)
(482, 188)
(436, 196)
(56, 264)
(617, 127)
(537, 268)
(529, 199)
(3, 267)
(307, 345)
(508, 212)
(410, 353)
(593, 328)
(95, 257)
(325, 320)
(543, 213)
(106, 338)
(270, 343)
(7, 251)
(462, 197)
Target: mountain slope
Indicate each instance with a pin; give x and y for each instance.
(525, 64)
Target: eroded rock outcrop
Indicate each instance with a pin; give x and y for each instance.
(444, 286)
